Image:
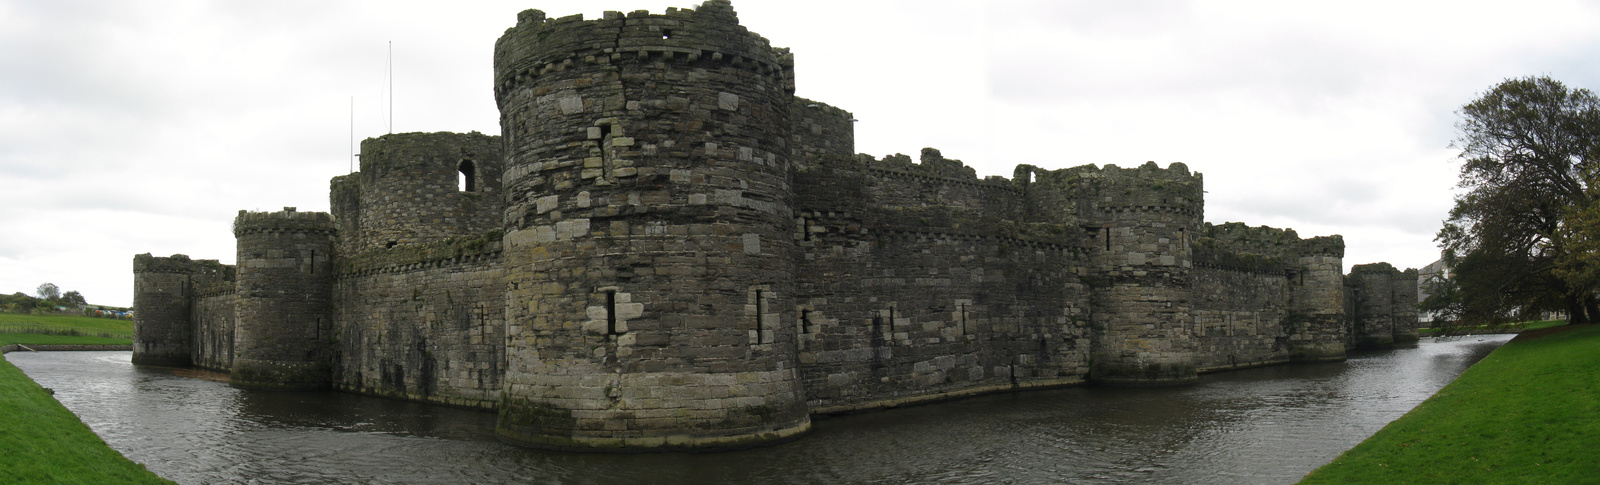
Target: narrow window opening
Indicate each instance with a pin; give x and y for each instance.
(1108, 239)
(806, 229)
(805, 321)
(312, 268)
(611, 312)
(666, 34)
(605, 131)
(467, 178)
(761, 309)
(391, 245)
(891, 319)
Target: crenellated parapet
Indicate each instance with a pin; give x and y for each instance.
(709, 37)
(287, 221)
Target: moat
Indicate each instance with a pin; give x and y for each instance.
(1263, 425)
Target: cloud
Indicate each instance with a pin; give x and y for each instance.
(130, 127)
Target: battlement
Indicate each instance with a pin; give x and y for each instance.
(286, 220)
(710, 35)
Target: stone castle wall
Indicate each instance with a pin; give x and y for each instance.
(423, 323)
(213, 322)
(915, 283)
(667, 250)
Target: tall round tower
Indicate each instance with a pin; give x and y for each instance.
(162, 333)
(1146, 218)
(648, 246)
(283, 311)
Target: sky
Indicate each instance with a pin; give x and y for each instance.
(135, 127)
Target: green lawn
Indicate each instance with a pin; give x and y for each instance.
(1524, 414)
(75, 321)
(42, 442)
(65, 325)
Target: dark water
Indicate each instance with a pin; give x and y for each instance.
(1267, 425)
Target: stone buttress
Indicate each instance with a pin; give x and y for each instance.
(282, 311)
(648, 247)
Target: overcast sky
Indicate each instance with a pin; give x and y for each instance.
(133, 127)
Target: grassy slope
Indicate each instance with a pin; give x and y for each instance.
(43, 442)
(1524, 414)
(86, 323)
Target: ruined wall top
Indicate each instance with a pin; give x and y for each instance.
(286, 220)
(177, 263)
(1374, 268)
(708, 35)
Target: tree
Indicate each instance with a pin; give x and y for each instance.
(1516, 240)
(49, 291)
(73, 298)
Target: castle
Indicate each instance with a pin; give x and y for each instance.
(666, 249)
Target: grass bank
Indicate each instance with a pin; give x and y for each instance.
(63, 329)
(1524, 414)
(43, 442)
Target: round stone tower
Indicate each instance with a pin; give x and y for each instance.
(283, 311)
(162, 333)
(648, 220)
(1146, 218)
(1317, 301)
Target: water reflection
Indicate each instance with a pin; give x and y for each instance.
(1267, 425)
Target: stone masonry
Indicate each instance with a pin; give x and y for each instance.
(666, 249)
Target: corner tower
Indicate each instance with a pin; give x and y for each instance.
(283, 311)
(648, 247)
